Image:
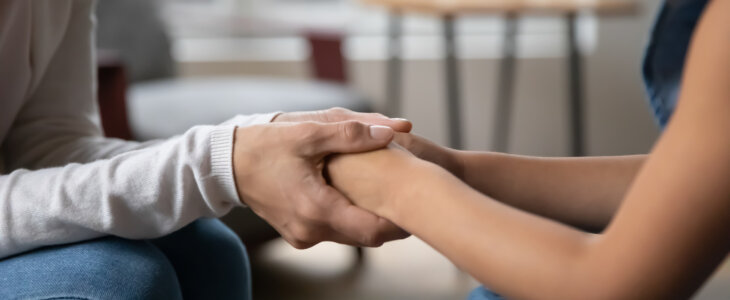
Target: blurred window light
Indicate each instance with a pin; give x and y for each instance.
(270, 30)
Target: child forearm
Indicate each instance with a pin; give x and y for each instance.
(583, 192)
(482, 236)
(509, 249)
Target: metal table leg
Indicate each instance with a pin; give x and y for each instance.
(505, 86)
(393, 76)
(452, 83)
(575, 87)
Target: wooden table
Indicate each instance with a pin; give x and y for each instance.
(448, 10)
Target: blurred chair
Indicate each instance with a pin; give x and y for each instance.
(135, 48)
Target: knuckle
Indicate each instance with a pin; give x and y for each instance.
(352, 130)
(326, 116)
(299, 244)
(307, 133)
(303, 234)
(338, 110)
(297, 131)
(325, 198)
(309, 211)
(378, 115)
(372, 239)
(307, 130)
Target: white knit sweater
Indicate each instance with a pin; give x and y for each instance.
(62, 181)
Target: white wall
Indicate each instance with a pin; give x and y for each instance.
(618, 119)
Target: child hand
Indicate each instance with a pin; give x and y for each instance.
(424, 149)
(373, 180)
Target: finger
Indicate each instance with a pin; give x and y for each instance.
(330, 235)
(398, 147)
(297, 243)
(418, 146)
(337, 237)
(340, 114)
(398, 124)
(311, 224)
(344, 137)
(403, 139)
(305, 235)
(361, 225)
(366, 228)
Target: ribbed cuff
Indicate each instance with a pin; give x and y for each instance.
(249, 120)
(221, 161)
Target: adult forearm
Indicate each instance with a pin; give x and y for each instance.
(139, 194)
(583, 192)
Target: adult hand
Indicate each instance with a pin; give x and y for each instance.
(338, 114)
(278, 170)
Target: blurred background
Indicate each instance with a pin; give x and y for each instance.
(169, 64)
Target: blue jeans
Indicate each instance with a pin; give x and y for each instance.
(482, 293)
(204, 260)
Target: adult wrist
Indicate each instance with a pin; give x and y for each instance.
(221, 161)
(241, 159)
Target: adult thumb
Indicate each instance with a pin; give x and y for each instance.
(350, 137)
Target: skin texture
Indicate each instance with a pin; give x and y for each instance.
(667, 233)
(278, 173)
(584, 192)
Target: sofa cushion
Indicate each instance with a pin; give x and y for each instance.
(163, 108)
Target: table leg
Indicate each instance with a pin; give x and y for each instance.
(393, 76)
(505, 85)
(575, 87)
(452, 83)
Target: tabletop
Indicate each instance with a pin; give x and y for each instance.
(451, 7)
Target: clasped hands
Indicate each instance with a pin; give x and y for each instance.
(280, 170)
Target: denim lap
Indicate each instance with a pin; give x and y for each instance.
(105, 268)
(204, 260)
(210, 260)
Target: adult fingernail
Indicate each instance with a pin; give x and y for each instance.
(400, 119)
(379, 132)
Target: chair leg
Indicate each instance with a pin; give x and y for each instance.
(393, 75)
(505, 86)
(453, 94)
(575, 86)
(359, 255)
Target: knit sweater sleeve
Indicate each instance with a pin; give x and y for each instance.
(68, 183)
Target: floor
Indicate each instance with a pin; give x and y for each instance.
(402, 270)
(406, 269)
